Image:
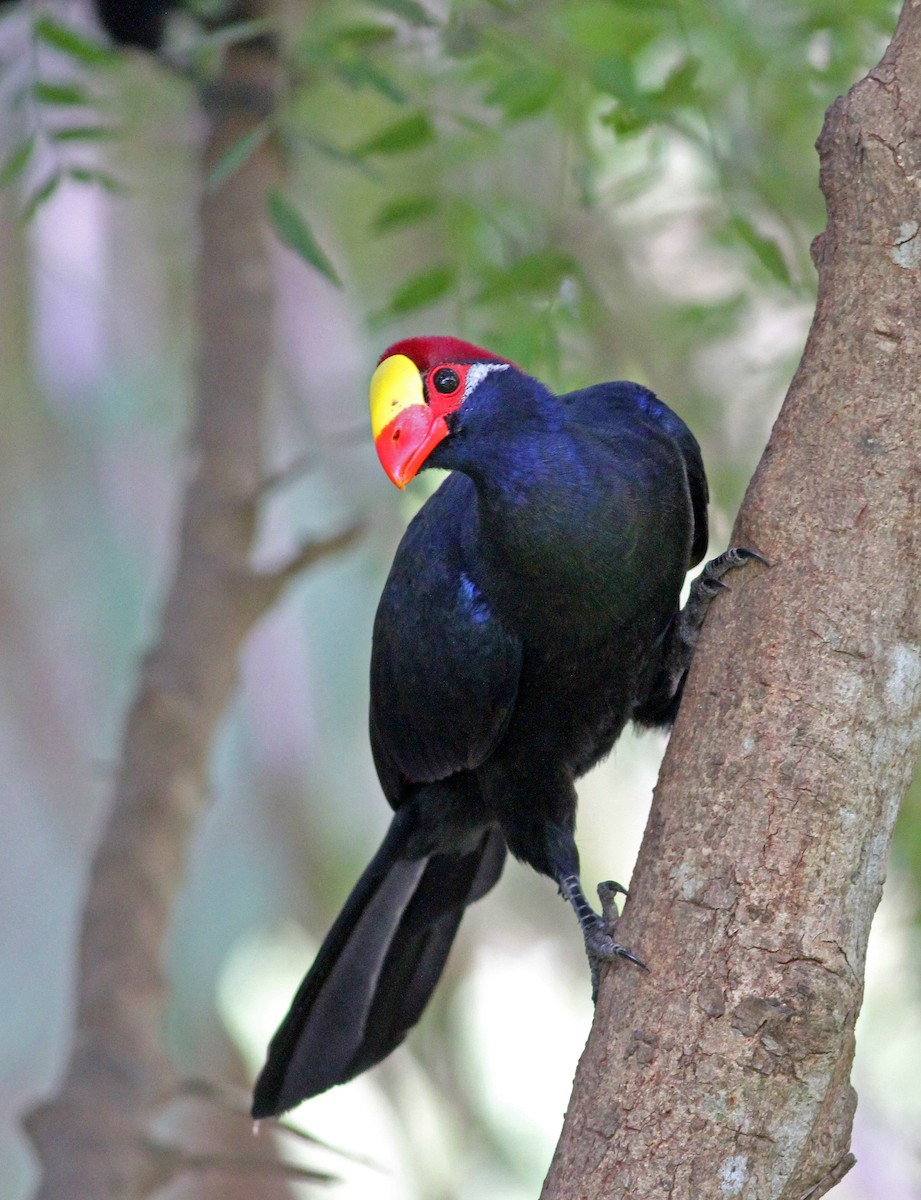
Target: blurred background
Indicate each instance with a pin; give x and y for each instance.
(595, 189)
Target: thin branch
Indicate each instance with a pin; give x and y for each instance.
(90, 1138)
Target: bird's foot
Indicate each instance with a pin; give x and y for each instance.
(661, 704)
(708, 584)
(600, 946)
(711, 577)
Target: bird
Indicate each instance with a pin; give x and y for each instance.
(532, 610)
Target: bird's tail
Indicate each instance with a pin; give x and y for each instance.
(378, 966)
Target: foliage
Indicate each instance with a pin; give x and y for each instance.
(508, 145)
(54, 92)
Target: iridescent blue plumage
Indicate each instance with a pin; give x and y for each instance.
(531, 611)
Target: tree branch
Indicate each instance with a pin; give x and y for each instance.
(92, 1138)
(724, 1070)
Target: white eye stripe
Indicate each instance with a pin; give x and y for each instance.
(478, 372)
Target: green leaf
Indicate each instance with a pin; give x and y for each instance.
(344, 158)
(233, 159)
(680, 88)
(525, 92)
(423, 289)
(59, 93)
(765, 249)
(96, 177)
(83, 133)
(626, 120)
(616, 76)
(294, 231)
(16, 162)
(361, 36)
(540, 274)
(404, 211)
(408, 134)
(77, 45)
(39, 196)
(409, 10)
(361, 73)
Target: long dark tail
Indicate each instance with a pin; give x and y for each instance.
(377, 968)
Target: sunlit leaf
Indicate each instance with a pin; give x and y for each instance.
(408, 134)
(293, 230)
(69, 41)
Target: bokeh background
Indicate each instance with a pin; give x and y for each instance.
(597, 190)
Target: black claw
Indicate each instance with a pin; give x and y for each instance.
(611, 888)
(632, 958)
(740, 553)
(595, 961)
(601, 947)
(607, 894)
(735, 556)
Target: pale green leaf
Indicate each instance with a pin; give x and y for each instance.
(40, 195)
(404, 211)
(765, 249)
(293, 230)
(60, 93)
(423, 289)
(239, 153)
(16, 162)
(66, 39)
(97, 177)
(83, 133)
(410, 133)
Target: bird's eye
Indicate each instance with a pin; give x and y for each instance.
(446, 380)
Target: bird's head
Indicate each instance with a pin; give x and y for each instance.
(418, 384)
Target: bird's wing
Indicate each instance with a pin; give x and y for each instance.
(444, 671)
(609, 405)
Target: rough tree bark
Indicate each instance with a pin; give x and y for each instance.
(93, 1137)
(724, 1071)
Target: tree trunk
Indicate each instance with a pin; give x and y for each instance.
(93, 1138)
(724, 1070)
